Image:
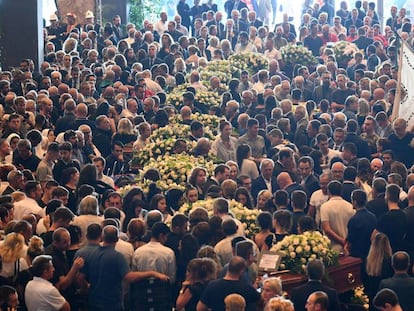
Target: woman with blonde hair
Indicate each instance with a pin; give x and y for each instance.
(213, 44)
(226, 48)
(125, 132)
(378, 263)
(272, 287)
(235, 302)
(179, 66)
(280, 304)
(262, 198)
(10, 253)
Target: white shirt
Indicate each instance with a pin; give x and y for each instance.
(126, 249)
(154, 256)
(160, 27)
(27, 206)
(83, 221)
(337, 213)
(41, 295)
(245, 49)
(316, 200)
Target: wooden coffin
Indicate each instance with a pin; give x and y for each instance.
(344, 277)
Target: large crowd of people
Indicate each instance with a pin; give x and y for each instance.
(311, 147)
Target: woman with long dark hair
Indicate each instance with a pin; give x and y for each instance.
(247, 166)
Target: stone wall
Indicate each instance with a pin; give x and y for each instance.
(79, 7)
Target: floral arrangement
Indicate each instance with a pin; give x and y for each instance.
(207, 98)
(123, 191)
(360, 297)
(298, 250)
(211, 122)
(175, 169)
(162, 140)
(252, 62)
(297, 54)
(344, 51)
(246, 216)
(221, 69)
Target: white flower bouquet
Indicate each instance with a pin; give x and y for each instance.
(252, 62)
(299, 249)
(297, 54)
(246, 216)
(360, 297)
(207, 98)
(344, 51)
(210, 122)
(176, 168)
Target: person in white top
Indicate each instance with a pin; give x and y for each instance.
(318, 198)
(161, 25)
(244, 46)
(40, 294)
(29, 205)
(335, 215)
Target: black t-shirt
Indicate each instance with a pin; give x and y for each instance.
(196, 290)
(403, 149)
(394, 224)
(213, 296)
(313, 44)
(339, 96)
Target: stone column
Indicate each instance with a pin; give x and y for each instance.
(21, 32)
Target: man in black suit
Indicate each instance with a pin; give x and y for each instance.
(401, 283)
(353, 20)
(217, 22)
(221, 173)
(15, 179)
(309, 181)
(265, 181)
(152, 59)
(230, 5)
(172, 30)
(363, 41)
(119, 29)
(362, 148)
(253, 21)
(238, 24)
(315, 271)
(285, 182)
(378, 205)
(348, 184)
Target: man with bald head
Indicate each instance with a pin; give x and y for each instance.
(285, 182)
(402, 142)
(376, 165)
(81, 113)
(186, 113)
